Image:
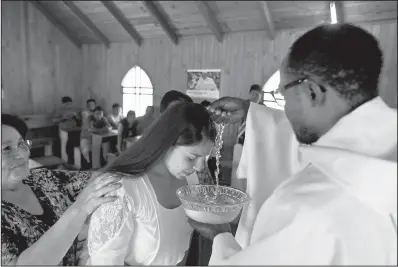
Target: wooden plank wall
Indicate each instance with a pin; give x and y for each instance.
(245, 58)
(39, 64)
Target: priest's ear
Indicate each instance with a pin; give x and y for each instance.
(316, 93)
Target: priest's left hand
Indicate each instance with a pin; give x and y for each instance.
(209, 230)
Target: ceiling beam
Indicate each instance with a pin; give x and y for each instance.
(160, 15)
(211, 19)
(121, 18)
(339, 5)
(87, 22)
(269, 23)
(57, 23)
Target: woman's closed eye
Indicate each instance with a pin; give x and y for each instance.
(6, 148)
(21, 144)
(192, 157)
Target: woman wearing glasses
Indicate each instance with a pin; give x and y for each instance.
(39, 223)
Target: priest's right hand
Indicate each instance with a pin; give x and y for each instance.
(229, 109)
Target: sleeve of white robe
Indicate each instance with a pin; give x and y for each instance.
(110, 230)
(303, 240)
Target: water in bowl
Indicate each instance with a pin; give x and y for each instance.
(212, 197)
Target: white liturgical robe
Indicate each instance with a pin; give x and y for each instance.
(341, 209)
(270, 155)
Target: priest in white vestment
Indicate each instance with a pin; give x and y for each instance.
(341, 207)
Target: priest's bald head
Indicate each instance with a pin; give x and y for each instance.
(329, 71)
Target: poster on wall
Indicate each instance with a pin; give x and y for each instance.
(204, 84)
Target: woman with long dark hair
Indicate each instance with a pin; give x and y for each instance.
(147, 224)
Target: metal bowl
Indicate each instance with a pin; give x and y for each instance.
(212, 204)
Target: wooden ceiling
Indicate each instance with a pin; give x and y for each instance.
(106, 22)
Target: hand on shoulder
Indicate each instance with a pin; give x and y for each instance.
(96, 192)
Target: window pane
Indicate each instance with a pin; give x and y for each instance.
(280, 102)
(278, 95)
(268, 97)
(129, 101)
(272, 85)
(144, 80)
(129, 90)
(137, 91)
(143, 102)
(273, 105)
(145, 91)
(130, 80)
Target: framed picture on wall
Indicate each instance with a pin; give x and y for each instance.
(204, 84)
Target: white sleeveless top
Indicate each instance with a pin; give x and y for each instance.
(136, 230)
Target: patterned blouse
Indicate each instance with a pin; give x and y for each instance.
(56, 190)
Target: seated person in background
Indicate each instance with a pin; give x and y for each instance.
(90, 106)
(145, 121)
(148, 225)
(205, 103)
(85, 137)
(255, 96)
(116, 116)
(66, 116)
(127, 131)
(171, 98)
(43, 211)
(99, 124)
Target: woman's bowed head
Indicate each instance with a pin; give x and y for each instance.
(181, 137)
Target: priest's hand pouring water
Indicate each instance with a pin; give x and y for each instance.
(229, 109)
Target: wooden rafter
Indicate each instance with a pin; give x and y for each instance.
(269, 23)
(57, 23)
(160, 15)
(87, 22)
(211, 19)
(121, 18)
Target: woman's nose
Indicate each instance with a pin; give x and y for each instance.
(19, 154)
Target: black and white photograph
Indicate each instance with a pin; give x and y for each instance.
(199, 133)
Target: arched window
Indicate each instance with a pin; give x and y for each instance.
(137, 91)
(272, 98)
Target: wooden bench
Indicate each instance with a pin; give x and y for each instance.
(34, 165)
(110, 157)
(49, 161)
(64, 137)
(46, 142)
(77, 157)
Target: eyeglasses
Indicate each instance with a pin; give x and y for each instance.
(22, 145)
(300, 81)
(279, 99)
(275, 98)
